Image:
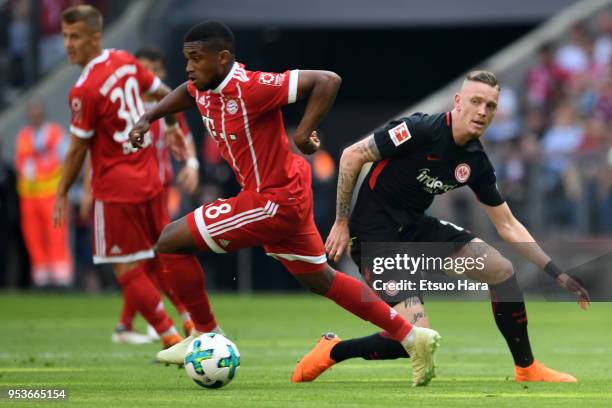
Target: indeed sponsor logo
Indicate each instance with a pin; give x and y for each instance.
(432, 184)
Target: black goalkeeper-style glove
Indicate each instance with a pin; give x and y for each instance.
(569, 283)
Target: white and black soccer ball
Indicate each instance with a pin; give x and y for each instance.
(212, 360)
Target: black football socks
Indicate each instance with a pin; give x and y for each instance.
(511, 319)
(378, 346)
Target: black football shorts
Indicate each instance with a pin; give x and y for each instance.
(426, 229)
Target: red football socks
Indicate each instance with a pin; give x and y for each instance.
(186, 278)
(140, 292)
(128, 312)
(160, 279)
(360, 300)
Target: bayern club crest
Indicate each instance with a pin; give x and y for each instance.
(231, 106)
(76, 104)
(462, 172)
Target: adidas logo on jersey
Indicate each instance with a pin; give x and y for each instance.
(115, 250)
(224, 242)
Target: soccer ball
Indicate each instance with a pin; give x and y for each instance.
(212, 361)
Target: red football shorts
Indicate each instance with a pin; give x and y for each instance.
(286, 232)
(127, 232)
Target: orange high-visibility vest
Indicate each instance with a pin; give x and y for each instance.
(39, 162)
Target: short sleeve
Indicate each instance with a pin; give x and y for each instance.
(402, 136)
(182, 122)
(273, 90)
(83, 117)
(149, 82)
(191, 89)
(485, 187)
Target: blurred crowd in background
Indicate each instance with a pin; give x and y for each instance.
(31, 42)
(550, 142)
(551, 139)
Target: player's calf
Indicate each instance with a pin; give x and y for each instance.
(507, 301)
(144, 295)
(186, 279)
(496, 269)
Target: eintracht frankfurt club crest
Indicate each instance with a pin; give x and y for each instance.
(462, 172)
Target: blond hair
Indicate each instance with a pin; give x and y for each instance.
(90, 15)
(486, 77)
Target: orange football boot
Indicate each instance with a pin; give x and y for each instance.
(188, 327)
(317, 361)
(170, 340)
(539, 372)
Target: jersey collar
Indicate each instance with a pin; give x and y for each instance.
(228, 78)
(100, 58)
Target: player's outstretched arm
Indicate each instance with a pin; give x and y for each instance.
(176, 101)
(514, 232)
(72, 165)
(321, 88)
(353, 158)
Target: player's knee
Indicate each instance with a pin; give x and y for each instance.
(176, 238)
(165, 243)
(318, 282)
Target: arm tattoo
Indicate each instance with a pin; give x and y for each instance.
(350, 165)
(368, 149)
(346, 184)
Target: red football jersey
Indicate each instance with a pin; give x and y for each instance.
(243, 115)
(106, 102)
(162, 151)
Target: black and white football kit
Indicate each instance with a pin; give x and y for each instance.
(420, 159)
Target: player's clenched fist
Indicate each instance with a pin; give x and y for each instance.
(308, 145)
(139, 130)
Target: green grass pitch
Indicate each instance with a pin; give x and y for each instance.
(63, 341)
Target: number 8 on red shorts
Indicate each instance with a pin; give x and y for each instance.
(287, 232)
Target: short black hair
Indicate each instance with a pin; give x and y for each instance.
(151, 53)
(218, 36)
